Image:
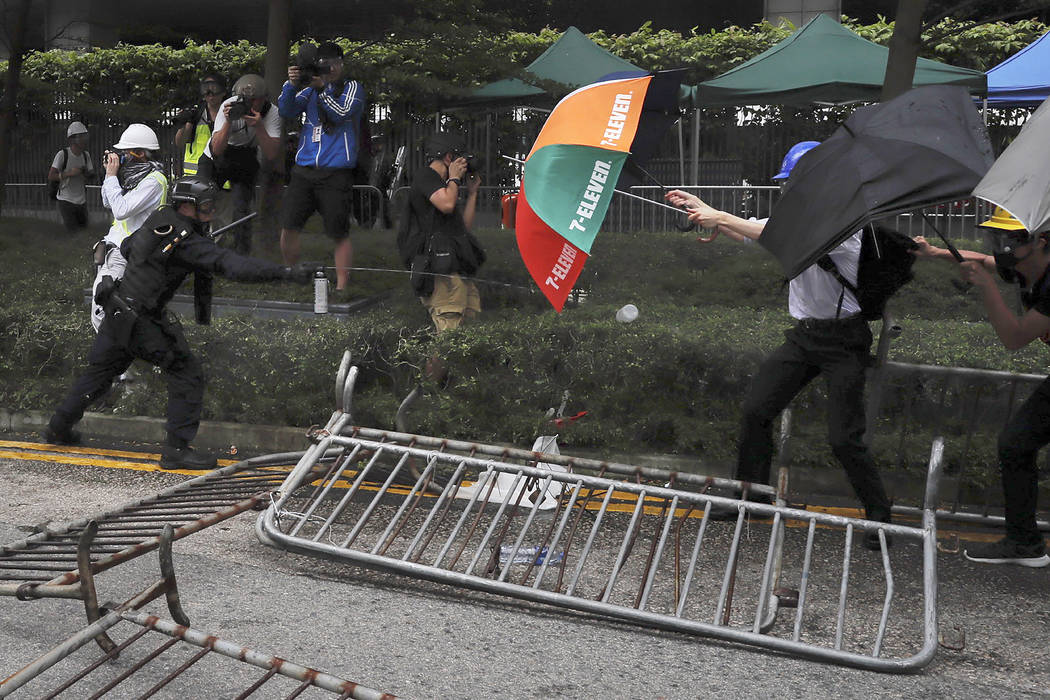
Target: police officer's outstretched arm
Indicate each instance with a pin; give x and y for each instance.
(202, 254)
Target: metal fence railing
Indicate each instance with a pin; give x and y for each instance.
(635, 543)
(368, 204)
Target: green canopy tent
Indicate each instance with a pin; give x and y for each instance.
(822, 63)
(571, 61)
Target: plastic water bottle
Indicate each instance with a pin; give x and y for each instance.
(627, 313)
(320, 292)
(528, 555)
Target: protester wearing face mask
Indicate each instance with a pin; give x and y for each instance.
(1023, 258)
(134, 186)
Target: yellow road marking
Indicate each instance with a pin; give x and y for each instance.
(79, 456)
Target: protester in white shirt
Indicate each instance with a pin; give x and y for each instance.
(829, 338)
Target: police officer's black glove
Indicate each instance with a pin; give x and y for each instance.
(299, 273)
(104, 290)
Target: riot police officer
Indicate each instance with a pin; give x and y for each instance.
(169, 246)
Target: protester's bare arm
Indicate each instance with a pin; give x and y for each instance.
(1014, 331)
(928, 250)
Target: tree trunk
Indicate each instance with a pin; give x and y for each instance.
(904, 48)
(277, 30)
(17, 34)
(276, 72)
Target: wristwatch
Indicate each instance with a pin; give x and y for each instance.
(457, 180)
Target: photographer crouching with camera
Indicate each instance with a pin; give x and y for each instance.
(322, 177)
(246, 125)
(435, 239)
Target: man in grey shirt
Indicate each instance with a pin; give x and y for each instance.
(71, 168)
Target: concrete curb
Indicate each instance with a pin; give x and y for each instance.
(213, 435)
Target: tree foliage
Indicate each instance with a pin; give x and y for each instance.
(128, 81)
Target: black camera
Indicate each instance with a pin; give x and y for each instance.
(473, 163)
(239, 107)
(189, 114)
(308, 64)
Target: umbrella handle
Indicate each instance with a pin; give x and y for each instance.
(708, 239)
(957, 283)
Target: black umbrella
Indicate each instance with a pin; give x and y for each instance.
(924, 147)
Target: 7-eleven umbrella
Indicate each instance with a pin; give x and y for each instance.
(572, 170)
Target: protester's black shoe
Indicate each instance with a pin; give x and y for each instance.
(871, 541)
(185, 458)
(1007, 551)
(61, 436)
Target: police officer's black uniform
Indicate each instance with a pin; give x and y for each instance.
(160, 255)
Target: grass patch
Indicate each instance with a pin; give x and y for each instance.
(670, 382)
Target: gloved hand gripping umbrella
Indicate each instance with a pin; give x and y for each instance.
(925, 147)
(573, 168)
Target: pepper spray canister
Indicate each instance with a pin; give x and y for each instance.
(320, 292)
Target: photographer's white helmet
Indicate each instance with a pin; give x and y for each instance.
(138, 136)
(75, 128)
(250, 86)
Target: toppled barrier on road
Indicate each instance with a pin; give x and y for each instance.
(667, 550)
(185, 662)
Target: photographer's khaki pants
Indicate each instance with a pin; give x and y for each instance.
(454, 300)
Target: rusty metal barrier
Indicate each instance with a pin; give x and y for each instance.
(148, 668)
(625, 541)
(62, 561)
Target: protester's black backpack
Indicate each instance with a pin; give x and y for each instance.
(52, 185)
(886, 260)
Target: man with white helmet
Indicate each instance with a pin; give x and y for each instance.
(246, 125)
(830, 338)
(70, 170)
(134, 186)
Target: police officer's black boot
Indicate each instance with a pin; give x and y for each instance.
(57, 434)
(172, 457)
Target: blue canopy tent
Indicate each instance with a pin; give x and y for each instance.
(1023, 80)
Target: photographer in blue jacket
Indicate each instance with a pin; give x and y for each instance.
(321, 179)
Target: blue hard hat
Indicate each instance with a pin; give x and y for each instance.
(793, 155)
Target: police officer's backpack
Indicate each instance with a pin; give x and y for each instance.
(886, 259)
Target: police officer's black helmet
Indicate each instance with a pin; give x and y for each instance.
(443, 142)
(202, 193)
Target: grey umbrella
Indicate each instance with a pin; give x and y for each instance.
(1019, 181)
(921, 148)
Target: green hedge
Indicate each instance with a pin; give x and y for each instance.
(130, 81)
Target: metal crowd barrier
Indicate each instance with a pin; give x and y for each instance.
(61, 562)
(137, 668)
(970, 404)
(629, 542)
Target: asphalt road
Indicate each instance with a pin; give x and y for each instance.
(424, 640)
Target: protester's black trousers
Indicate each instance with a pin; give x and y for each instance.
(1025, 433)
(839, 350)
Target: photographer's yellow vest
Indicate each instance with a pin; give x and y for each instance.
(195, 149)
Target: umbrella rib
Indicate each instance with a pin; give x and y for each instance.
(625, 194)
